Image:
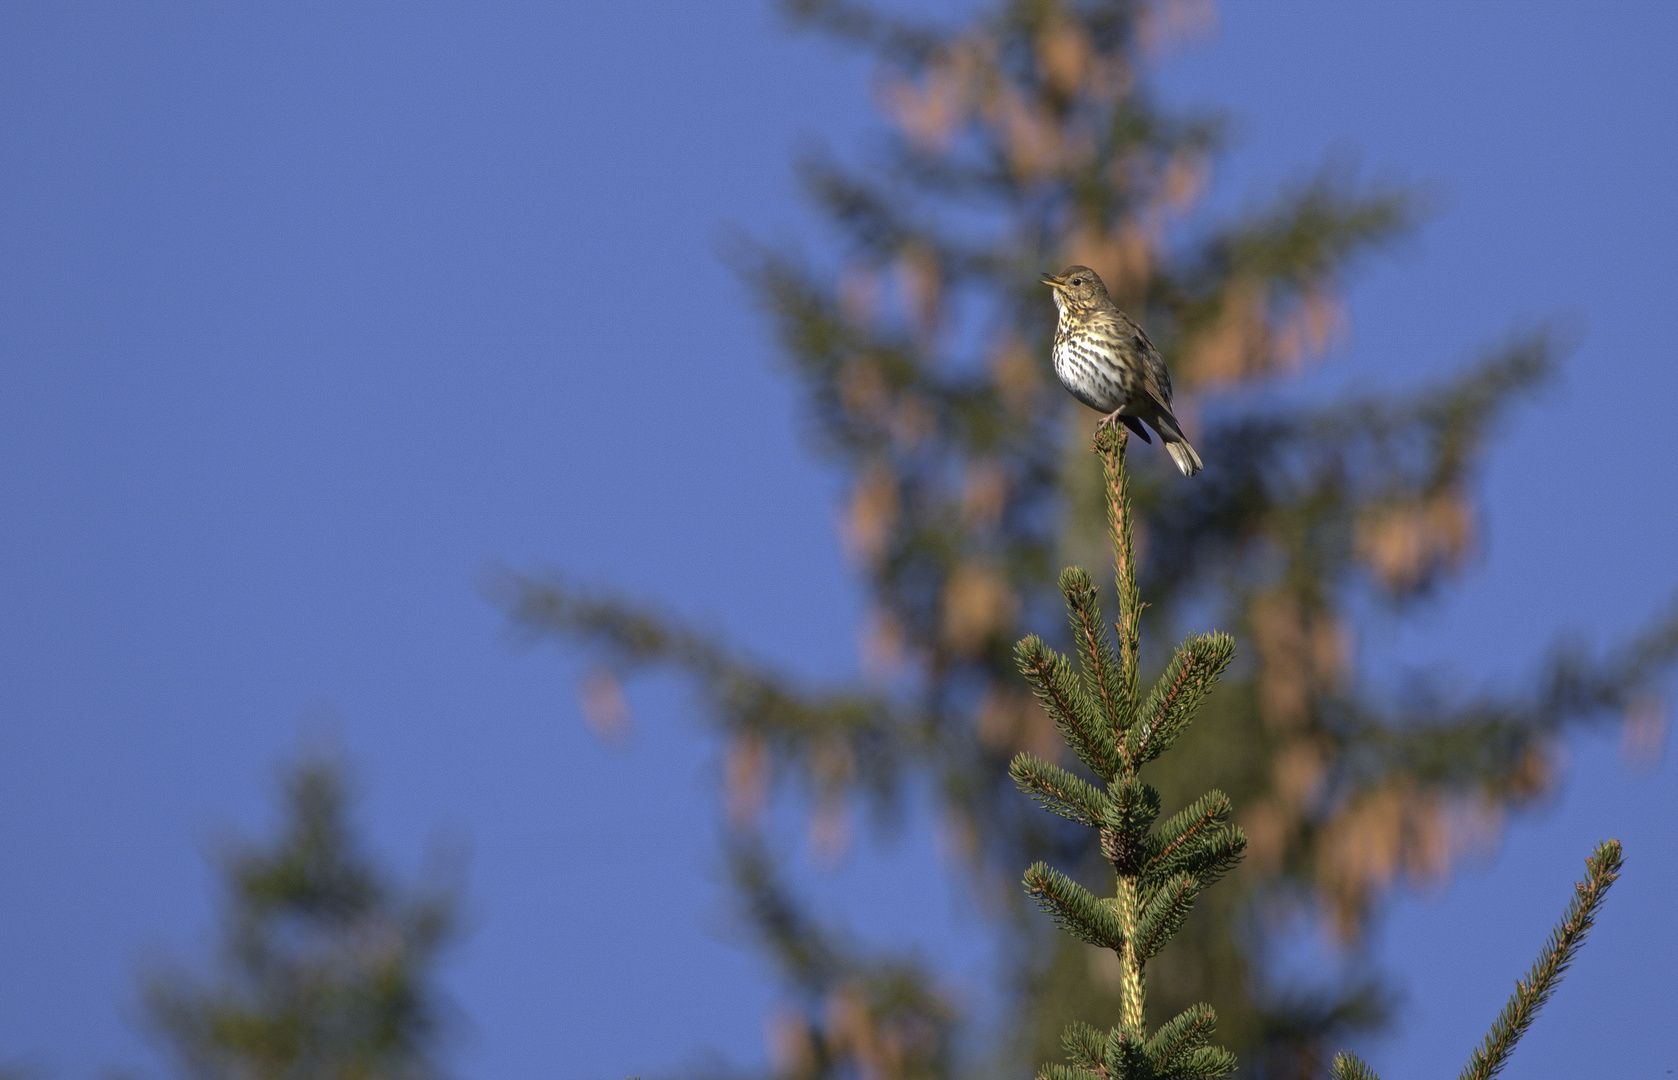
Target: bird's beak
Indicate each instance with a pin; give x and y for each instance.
(1052, 282)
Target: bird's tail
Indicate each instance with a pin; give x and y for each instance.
(1171, 434)
(1188, 462)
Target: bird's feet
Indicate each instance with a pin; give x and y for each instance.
(1109, 420)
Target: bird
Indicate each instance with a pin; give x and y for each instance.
(1107, 362)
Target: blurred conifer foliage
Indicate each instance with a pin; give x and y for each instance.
(1018, 142)
(327, 965)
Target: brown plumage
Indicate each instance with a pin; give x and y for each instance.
(1108, 363)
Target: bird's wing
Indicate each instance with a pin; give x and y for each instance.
(1156, 382)
(1161, 379)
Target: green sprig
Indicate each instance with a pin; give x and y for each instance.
(1601, 870)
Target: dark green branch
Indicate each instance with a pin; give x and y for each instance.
(1103, 674)
(1075, 909)
(1061, 693)
(1057, 790)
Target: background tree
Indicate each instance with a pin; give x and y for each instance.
(327, 964)
(1021, 141)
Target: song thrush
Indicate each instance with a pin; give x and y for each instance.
(1109, 364)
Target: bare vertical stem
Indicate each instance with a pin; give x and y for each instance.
(1132, 984)
(1110, 444)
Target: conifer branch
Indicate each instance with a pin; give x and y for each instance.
(1166, 908)
(754, 697)
(1103, 674)
(1057, 790)
(1131, 809)
(1075, 909)
(1125, 1056)
(1197, 840)
(1207, 1063)
(1069, 1072)
(1085, 1046)
(1170, 1048)
(1601, 870)
(1062, 694)
(1348, 1066)
(1178, 694)
(1206, 861)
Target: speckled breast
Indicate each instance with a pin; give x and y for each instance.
(1087, 367)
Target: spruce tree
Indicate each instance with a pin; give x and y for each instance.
(1159, 872)
(1018, 141)
(327, 964)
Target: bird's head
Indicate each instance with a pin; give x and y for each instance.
(1078, 288)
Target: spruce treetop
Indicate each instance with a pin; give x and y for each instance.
(1160, 871)
(1098, 709)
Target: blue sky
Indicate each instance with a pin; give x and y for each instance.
(310, 316)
